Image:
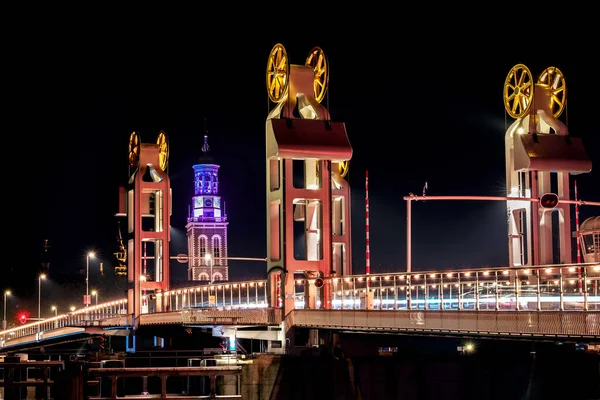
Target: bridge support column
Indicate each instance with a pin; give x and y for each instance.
(130, 343)
(313, 338)
(279, 345)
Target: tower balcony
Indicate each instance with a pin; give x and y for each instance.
(207, 219)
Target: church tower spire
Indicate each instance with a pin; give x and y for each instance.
(207, 223)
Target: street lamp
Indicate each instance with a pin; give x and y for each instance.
(42, 276)
(6, 293)
(95, 293)
(87, 277)
(53, 308)
(208, 261)
(73, 308)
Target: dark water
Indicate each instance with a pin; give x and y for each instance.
(425, 369)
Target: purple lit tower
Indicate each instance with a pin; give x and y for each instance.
(207, 224)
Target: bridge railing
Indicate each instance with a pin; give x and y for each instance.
(542, 288)
(225, 295)
(80, 317)
(546, 288)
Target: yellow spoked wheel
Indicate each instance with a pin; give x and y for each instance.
(163, 150)
(555, 79)
(278, 73)
(518, 91)
(343, 167)
(134, 149)
(318, 62)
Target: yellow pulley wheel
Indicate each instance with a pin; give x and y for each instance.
(343, 167)
(518, 91)
(555, 79)
(278, 73)
(134, 149)
(163, 150)
(317, 61)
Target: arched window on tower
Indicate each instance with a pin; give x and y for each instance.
(203, 276)
(202, 248)
(216, 245)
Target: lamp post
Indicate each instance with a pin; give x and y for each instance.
(6, 293)
(87, 276)
(208, 261)
(42, 276)
(95, 293)
(53, 308)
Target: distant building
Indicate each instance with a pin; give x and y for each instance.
(207, 224)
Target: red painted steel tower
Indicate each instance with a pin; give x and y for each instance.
(147, 203)
(541, 155)
(308, 199)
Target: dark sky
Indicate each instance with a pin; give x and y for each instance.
(415, 110)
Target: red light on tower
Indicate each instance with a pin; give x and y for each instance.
(23, 317)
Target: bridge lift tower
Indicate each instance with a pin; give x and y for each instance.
(308, 198)
(147, 204)
(540, 154)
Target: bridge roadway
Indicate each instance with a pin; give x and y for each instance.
(551, 301)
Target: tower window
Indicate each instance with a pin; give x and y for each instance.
(202, 241)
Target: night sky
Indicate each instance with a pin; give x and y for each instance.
(415, 111)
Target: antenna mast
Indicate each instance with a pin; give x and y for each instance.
(368, 251)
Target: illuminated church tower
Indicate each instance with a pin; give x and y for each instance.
(207, 224)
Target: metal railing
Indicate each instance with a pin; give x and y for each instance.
(228, 295)
(62, 325)
(546, 288)
(573, 287)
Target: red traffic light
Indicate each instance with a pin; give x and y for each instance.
(23, 317)
(549, 200)
(319, 282)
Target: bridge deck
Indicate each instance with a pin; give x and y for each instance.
(559, 299)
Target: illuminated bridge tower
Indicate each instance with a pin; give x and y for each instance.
(540, 154)
(147, 205)
(207, 224)
(308, 199)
